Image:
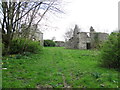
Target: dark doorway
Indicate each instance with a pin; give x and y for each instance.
(88, 46)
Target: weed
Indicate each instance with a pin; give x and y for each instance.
(46, 69)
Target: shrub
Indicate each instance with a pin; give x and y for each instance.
(33, 46)
(49, 43)
(110, 52)
(22, 45)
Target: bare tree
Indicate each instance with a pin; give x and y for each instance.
(68, 34)
(15, 14)
(53, 38)
(71, 32)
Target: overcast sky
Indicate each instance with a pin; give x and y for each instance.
(101, 14)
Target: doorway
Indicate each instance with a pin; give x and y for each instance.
(88, 46)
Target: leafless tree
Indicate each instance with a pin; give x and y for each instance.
(68, 34)
(15, 14)
(53, 38)
(71, 32)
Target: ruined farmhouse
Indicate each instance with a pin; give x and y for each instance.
(86, 40)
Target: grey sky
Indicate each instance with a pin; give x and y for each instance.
(101, 14)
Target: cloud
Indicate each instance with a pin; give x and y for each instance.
(101, 14)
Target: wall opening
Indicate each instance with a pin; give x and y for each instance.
(88, 46)
(88, 34)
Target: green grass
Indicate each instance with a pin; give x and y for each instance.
(56, 67)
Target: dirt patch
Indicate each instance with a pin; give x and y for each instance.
(65, 83)
(43, 87)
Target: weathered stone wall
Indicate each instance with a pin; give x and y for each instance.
(39, 37)
(103, 36)
(73, 42)
(70, 43)
(59, 43)
(97, 35)
(83, 39)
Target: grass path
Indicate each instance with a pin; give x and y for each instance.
(58, 67)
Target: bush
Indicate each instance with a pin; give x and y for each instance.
(24, 45)
(49, 43)
(110, 52)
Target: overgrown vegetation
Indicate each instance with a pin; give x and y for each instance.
(56, 67)
(110, 52)
(96, 41)
(49, 43)
(21, 45)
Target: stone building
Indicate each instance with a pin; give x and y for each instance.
(38, 36)
(35, 34)
(59, 43)
(86, 40)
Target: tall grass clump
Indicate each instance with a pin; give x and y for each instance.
(110, 51)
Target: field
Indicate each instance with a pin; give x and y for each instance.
(57, 67)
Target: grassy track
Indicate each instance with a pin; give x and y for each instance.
(58, 67)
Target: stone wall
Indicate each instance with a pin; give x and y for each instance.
(98, 35)
(82, 40)
(39, 37)
(59, 43)
(70, 43)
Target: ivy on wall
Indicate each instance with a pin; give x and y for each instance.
(96, 40)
